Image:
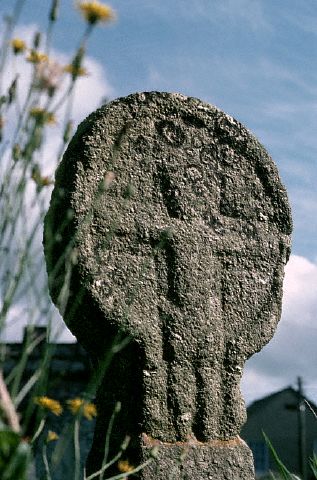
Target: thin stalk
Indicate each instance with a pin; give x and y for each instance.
(104, 467)
(15, 281)
(311, 408)
(77, 448)
(8, 406)
(21, 367)
(87, 32)
(26, 388)
(121, 475)
(41, 384)
(11, 22)
(61, 445)
(284, 472)
(313, 464)
(15, 137)
(46, 464)
(39, 430)
(28, 348)
(116, 410)
(64, 97)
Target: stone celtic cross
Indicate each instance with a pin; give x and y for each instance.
(169, 224)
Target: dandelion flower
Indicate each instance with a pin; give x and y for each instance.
(36, 57)
(124, 466)
(94, 12)
(18, 45)
(75, 70)
(90, 411)
(77, 405)
(39, 179)
(49, 404)
(42, 116)
(51, 436)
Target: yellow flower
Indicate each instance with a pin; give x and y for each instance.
(49, 404)
(124, 466)
(42, 116)
(77, 405)
(51, 436)
(36, 57)
(94, 12)
(18, 45)
(41, 181)
(90, 411)
(75, 71)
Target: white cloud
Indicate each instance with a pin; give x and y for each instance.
(90, 90)
(292, 352)
(300, 293)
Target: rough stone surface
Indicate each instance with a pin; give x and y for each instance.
(170, 224)
(213, 460)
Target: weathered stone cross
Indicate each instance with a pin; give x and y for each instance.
(169, 223)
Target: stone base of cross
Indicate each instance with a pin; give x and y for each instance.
(214, 460)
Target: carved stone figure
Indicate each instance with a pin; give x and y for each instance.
(169, 224)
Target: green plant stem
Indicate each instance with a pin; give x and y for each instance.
(46, 464)
(77, 448)
(120, 475)
(39, 430)
(8, 407)
(313, 465)
(27, 387)
(104, 467)
(15, 281)
(11, 22)
(109, 431)
(285, 473)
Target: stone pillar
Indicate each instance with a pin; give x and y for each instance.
(169, 225)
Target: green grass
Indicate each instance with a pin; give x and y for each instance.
(283, 472)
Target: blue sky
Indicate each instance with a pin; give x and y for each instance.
(253, 59)
(256, 60)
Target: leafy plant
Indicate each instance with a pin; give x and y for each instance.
(15, 456)
(30, 105)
